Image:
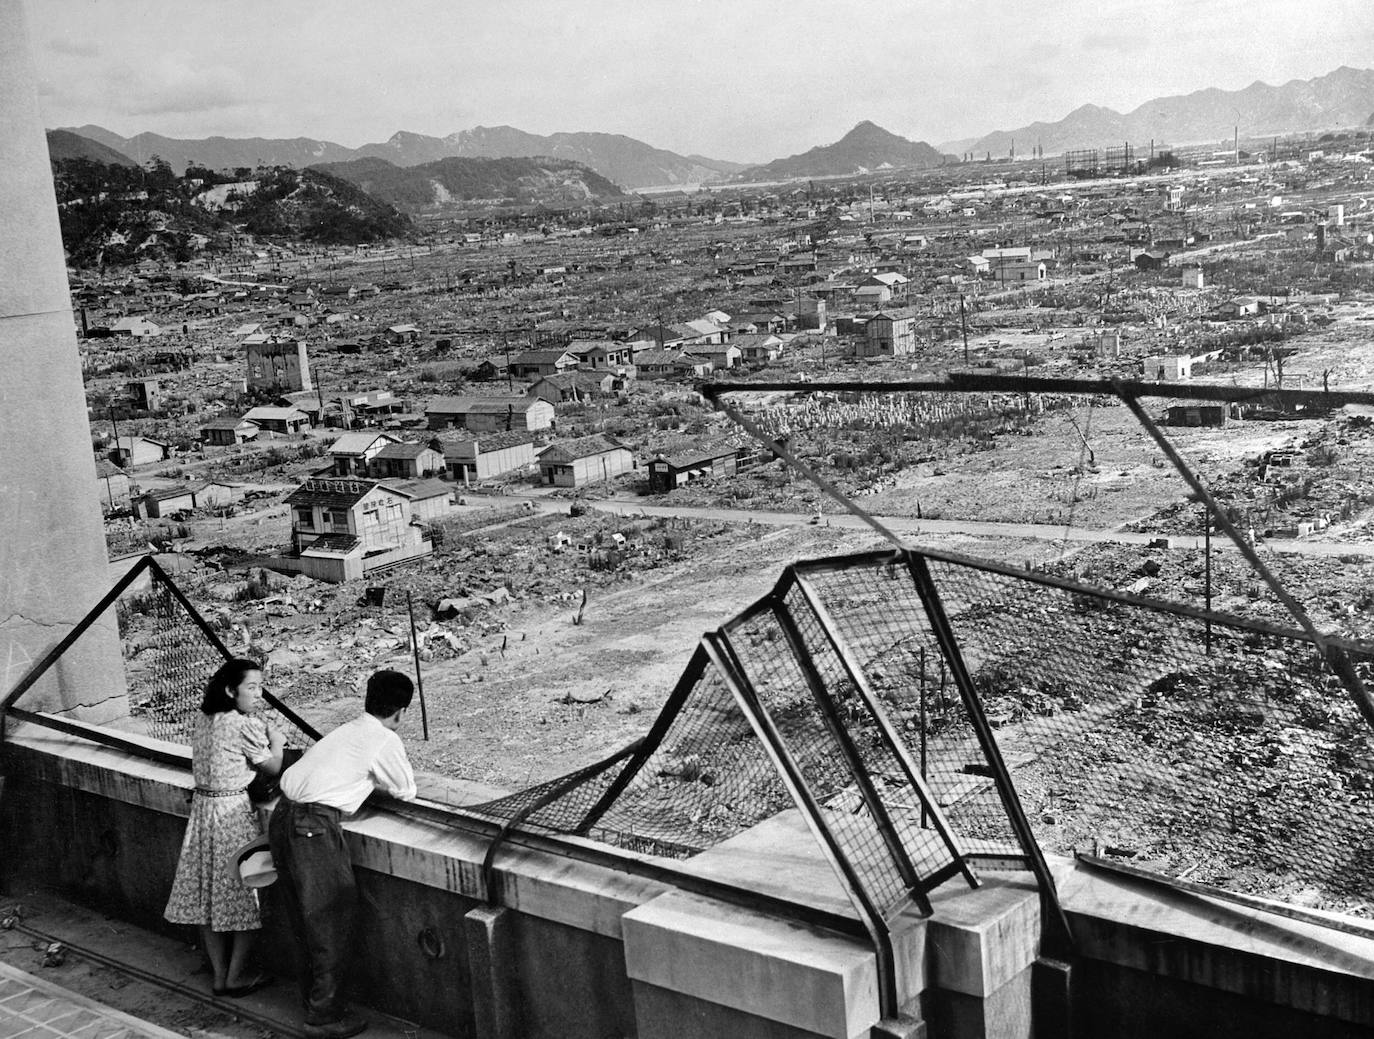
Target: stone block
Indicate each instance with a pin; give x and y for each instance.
(780, 970)
(980, 939)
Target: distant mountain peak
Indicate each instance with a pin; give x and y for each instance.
(870, 131)
(1342, 98)
(866, 147)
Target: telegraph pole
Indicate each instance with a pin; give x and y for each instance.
(419, 678)
(963, 324)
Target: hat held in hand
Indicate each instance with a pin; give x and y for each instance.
(252, 863)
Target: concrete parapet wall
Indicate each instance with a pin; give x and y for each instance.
(579, 949)
(105, 827)
(1156, 961)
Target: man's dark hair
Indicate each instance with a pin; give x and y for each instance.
(387, 693)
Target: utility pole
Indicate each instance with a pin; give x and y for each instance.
(505, 342)
(963, 324)
(1207, 558)
(419, 678)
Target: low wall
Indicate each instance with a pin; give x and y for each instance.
(588, 949)
(104, 828)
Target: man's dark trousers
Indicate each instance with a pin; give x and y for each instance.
(315, 881)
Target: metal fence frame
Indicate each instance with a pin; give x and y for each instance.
(161, 579)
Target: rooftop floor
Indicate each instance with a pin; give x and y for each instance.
(39, 1009)
(118, 981)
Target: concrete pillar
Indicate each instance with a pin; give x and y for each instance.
(982, 954)
(53, 564)
(491, 969)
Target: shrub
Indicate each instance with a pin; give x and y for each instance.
(1323, 455)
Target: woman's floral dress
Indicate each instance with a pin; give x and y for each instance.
(207, 889)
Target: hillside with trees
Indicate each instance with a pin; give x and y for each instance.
(540, 180)
(115, 214)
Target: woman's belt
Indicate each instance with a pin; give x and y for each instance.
(211, 792)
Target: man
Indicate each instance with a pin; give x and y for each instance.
(331, 780)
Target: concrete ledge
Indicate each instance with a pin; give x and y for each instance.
(782, 971)
(53, 757)
(981, 939)
(447, 858)
(1219, 945)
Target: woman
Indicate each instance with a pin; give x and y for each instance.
(227, 739)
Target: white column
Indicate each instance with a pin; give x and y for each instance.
(53, 565)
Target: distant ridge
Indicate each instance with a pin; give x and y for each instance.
(865, 148)
(430, 185)
(1340, 99)
(219, 153)
(623, 160)
(64, 145)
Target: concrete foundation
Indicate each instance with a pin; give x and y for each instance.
(53, 565)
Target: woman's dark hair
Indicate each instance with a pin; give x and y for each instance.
(219, 691)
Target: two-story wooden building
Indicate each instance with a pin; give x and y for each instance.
(890, 333)
(341, 528)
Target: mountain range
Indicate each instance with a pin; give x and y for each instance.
(620, 159)
(433, 185)
(865, 148)
(1343, 98)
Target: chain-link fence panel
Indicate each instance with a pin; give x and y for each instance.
(875, 608)
(703, 778)
(781, 674)
(884, 763)
(1202, 748)
(169, 654)
(167, 660)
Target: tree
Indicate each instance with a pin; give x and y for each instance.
(157, 175)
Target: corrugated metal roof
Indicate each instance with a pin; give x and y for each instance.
(227, 422)
(357, 443)
(331, 494)
(420, 490)
(582, 447)
(463, 405)
(404, 451)
(331, 544)
(270, 414)
(696, 456)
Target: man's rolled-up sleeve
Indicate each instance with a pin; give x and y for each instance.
(391, 772)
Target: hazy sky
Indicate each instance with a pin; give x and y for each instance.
(748, 80)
